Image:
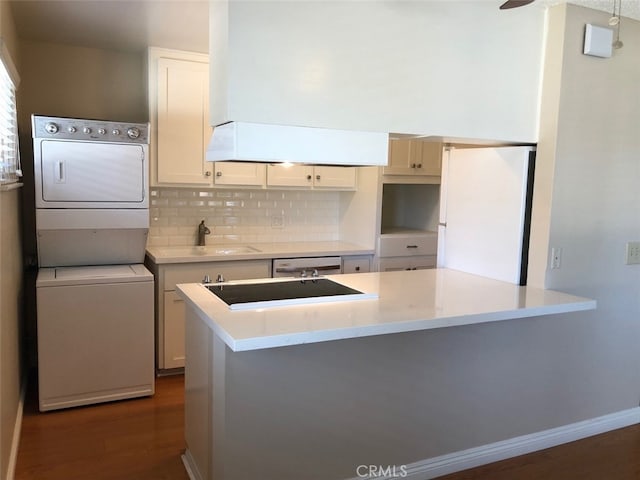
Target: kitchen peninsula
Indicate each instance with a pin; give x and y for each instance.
(314, 391)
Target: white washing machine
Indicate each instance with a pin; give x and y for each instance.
(95, 334)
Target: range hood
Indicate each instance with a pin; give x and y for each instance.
(257, 142)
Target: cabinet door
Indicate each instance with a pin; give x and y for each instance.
(290, 176)
(239, 173)
(182, 122)
(172, 318)
(174, 314)
(343, 178)
(401, 155)
(356, 264)
(430, 162)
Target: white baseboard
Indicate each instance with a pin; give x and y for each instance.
(17, 428)
(493, 452)
(190, 466)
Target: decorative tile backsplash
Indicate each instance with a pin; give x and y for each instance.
(242, 216)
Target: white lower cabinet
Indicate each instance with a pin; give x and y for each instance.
(173, 337)
(406, 250)
(417, 262)
(356, 264)
(170, 308)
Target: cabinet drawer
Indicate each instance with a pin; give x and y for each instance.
(233, 270)
(397, 245)
(407, 263)
(359, 264)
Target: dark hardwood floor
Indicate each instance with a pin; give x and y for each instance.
(143, 439)
(613, 455)
(140, 439)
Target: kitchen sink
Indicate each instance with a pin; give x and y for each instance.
(208, 250)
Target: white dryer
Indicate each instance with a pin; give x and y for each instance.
(95, 334)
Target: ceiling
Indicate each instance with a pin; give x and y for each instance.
(132, 25)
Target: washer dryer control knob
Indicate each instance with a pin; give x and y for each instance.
(86, 130)
(51, 128)
(133, 132)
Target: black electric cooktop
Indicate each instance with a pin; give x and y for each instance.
(286, 292)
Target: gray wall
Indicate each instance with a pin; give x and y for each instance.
(587, 202)
(10, 292)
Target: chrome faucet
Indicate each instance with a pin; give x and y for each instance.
(202, 231)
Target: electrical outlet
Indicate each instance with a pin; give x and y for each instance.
(277, 221)
(633, 253)
(556, 257)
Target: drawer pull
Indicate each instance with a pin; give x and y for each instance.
(412, 246)
(178, 300)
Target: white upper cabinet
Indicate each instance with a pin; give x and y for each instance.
(179, 117)
(343, 178)
(414, 157)
(290, 176)
(239, 174)
(306, 176)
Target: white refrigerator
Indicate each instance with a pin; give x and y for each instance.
(485, 211)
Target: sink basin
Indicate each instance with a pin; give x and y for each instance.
(208, 250)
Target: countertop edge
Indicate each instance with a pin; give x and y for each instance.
(257, 342)
(262, 255)
(276, 341)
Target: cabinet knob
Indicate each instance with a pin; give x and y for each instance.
(218, 174)
(207, 173)
(309, 177)
(317, 177)
(413, 165)
(419, 165)
(357, 269)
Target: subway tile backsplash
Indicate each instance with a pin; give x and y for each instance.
(242, 216)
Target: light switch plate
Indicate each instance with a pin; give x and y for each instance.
(633, 253)
(556, 257)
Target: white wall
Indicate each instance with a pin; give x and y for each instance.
(458, 69)
(587, 202)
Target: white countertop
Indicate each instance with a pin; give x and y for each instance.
(407, 301)
(221, 252)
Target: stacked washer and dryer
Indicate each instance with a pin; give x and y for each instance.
(94, 296)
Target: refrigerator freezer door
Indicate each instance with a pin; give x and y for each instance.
(483, 211)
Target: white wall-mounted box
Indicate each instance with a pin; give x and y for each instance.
(598, 41)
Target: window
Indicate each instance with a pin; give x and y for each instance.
(10, 171)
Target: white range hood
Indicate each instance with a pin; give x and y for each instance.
(256, 142)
